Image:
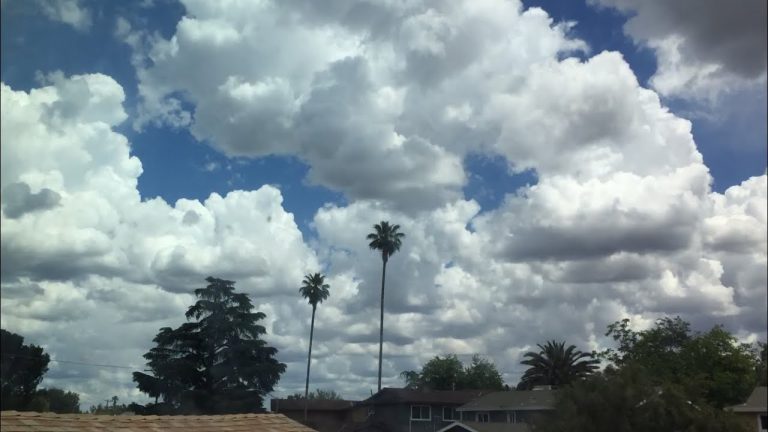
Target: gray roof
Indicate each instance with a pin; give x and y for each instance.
(514, 400)
(388, 396)
(486, 427)
(756, 403)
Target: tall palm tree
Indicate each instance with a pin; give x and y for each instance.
(556, 365)
(386, 239)
(315, 290)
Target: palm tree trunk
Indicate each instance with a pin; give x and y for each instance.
(381, 319)
(309, 361)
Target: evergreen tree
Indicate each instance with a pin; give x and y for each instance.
(216, 362)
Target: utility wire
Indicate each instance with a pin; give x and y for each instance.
(70, 362)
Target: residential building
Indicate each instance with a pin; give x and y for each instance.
(468, 426)
(322, 415)
(754, 410)
(13, 421)
(403, 410)
(515, 407)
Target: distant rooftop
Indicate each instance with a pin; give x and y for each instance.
(14, 421)
(467, 426)
(513, 400)
(398, 395)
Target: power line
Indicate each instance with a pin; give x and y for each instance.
(70, 362)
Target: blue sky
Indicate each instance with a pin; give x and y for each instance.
(540, 156)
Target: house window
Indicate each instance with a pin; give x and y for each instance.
(482, 417)
(421, 412)
(450, 414)
(764, 422)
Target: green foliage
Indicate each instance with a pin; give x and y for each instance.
(761, 370)
(629, 400)
(113, 409)
(314, 289)
(386, 238)
(216, 362)
(482, 374)
(448, 373)
(556, 365)
(59, 401)
(711, 365)
(318, 394)
(21, 369)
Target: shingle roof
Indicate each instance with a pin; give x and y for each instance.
(518, 400)
(396, 395)
(13, 421)
(277, 405)
(756, 403)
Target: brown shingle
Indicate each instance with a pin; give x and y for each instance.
(13, 421)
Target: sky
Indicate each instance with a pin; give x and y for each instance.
(556, 166)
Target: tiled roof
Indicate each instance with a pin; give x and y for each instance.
(756, 403)
(397, 395)
(13, 421)
(517, 400)
(277, 405)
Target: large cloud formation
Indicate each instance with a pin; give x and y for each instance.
(703, 47)
(383, 102)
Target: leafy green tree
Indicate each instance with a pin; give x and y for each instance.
(448, 373)
(482, 374)
(21, 369)
(711, 365)
(445, 373)
(556, 365)
(629, 400)
(315, 290)
(761, 370)
(60, 401)
(216, 362)
(386, 239)
(318, 394)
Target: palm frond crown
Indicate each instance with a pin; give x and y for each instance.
(314, 289)
(386, 238)
(556, 365)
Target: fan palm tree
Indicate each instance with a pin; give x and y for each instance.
(386, 239)
(556, 365)
(315, 290)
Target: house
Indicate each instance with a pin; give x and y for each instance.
(510, 407)
(322, 415)
(14, 421)
(468, 426)
(754, 410)
(403, 410)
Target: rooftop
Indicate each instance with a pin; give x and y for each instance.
(756, 402)
(517, 400)
(466, 426)
(397, 395)
(277, 405)
(14, 421)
